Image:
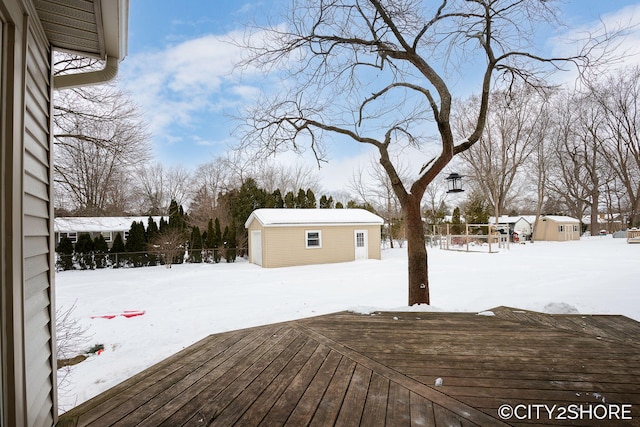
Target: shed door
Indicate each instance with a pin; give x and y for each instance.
(362, 244)
(256, 247)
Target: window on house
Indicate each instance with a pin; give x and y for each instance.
(107, 236)
(71, 236)
(313, 239)
(126, 235)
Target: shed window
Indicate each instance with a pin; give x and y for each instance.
(561, 228)
(313, 239)
(107, 236)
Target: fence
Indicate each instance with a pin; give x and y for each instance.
(99, 260)
(476, 238)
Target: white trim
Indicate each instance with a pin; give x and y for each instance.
(306, 239)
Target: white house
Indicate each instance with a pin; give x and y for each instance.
(523, 225)
(108, 227)
(287, 237)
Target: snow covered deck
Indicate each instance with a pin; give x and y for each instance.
(382, 369)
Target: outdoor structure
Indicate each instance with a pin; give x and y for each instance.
(557, 228)
(108, 227)
(393, 369)
(287, 237)
(633, 235)
(29, 31)
(522, 225)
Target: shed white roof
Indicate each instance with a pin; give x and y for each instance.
(283, 217)
(560, 218)
(98, 224)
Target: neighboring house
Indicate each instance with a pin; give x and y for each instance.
(287, 237)
(29, 31)
(557, 228)
(523, 225)
(108, 227)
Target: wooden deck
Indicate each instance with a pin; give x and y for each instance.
(349, 369)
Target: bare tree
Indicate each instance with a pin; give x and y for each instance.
(158, 185)
(378, 73)
(169, 244)
(99, 140)
(619, 96)
(373, 186)
(513, 130)
(579, 171)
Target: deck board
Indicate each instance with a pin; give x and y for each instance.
(380, 369)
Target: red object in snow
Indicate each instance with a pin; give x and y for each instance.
(126, 313)
(132, 313)
(104, 316)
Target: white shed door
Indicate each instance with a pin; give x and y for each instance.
(256, 247)
(362, 245)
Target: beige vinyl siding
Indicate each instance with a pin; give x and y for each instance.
(38, 299)
(286, 246)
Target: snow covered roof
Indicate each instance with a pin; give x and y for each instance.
(559, 218)
(98, 224)
(504, 219)
(283, 217)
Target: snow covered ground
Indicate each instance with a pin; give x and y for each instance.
(188, 302)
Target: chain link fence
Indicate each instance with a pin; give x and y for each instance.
(98, 260)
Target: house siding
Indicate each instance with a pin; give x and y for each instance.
(28, 340)
(39, 314)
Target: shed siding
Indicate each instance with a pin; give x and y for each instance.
(286, 246)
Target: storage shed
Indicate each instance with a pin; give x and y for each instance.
(288, 237)
(557, 228)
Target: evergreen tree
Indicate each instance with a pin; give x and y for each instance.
(65, 254)
(477, 210)
(100, 250)
(339, 205)
(209, 242)
(230, 243)
(311, 199)
(152, 230)
(117, 251)
(84, 252)
(195, 245)
(136, 245)
(249, 198)
(326, 203)
(301, 200)
(151, 235)
(177, 222)
(163, 225)
(217, 242)
(177, 218)
(290, 200)
(456, 223)
(278, 201)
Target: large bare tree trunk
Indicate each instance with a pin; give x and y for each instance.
(417, 254)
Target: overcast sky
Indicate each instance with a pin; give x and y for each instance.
(179, 71)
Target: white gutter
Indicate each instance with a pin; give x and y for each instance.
(68, 81)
